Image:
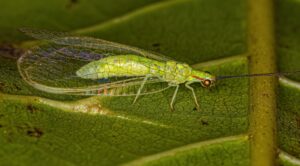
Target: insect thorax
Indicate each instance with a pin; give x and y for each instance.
(176, 73)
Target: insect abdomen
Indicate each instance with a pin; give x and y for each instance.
(118, 66)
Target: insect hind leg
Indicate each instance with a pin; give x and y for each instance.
(187, 85)
(174, 97)
(140, 89)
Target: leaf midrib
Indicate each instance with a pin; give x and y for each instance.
(261, 47)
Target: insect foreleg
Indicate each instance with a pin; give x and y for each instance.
(194, 95)
(140, 89)
(173, 98)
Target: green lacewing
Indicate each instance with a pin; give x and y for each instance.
(80, 65)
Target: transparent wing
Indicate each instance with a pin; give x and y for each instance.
(52, 68)
(62, 38)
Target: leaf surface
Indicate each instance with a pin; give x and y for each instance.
(38, 128)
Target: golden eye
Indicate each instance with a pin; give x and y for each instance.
(207, 83)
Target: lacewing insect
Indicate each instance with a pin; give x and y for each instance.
(80, 65)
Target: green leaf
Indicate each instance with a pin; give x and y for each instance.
(288, 118)
(60, 14)
(37, 128)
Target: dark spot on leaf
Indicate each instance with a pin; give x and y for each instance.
(155, 44)
(72, 3)
(17, 87)
(204, 122)
(35, 132)
(2, 85)
(1, 125)
(10, 51)
(194, 109)
(31, 108)
(156, 47)
(1, 115)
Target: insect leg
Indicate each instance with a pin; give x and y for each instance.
(173, 98)
(140, 89)
(194, 95)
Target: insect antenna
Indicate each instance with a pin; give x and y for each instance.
(278, 74)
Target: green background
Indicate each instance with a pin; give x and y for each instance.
(38, 128)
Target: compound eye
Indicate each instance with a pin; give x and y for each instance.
(207, 83)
